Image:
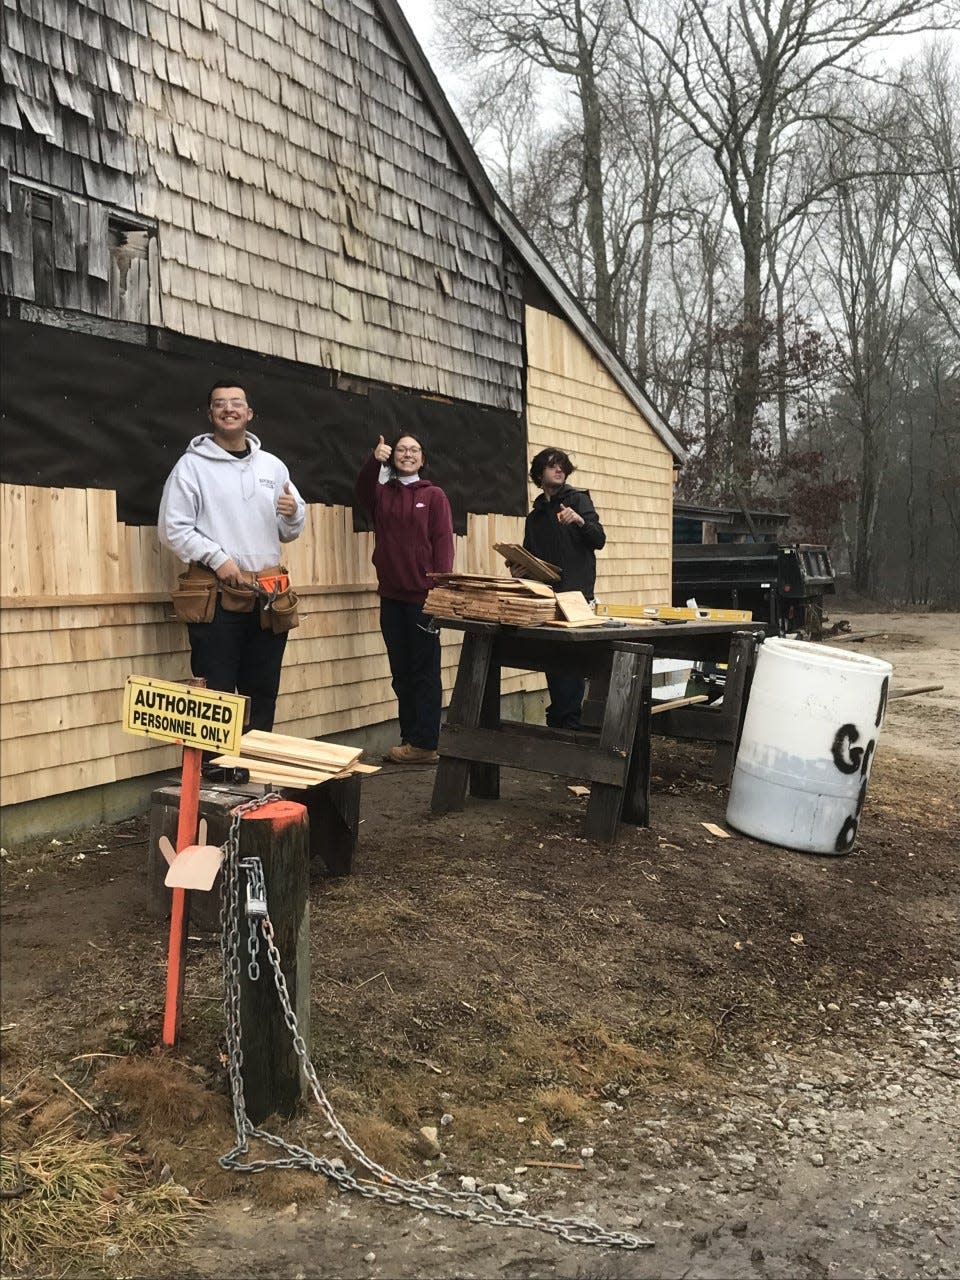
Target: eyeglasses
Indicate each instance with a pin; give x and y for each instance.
(403, 452)
(228, 404)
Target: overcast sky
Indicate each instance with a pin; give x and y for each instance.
(419, 13)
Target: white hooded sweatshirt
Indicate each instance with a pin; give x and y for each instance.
(216, 507)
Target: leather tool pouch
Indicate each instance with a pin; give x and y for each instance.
(238, 599)
(195, 598)
(283, 613)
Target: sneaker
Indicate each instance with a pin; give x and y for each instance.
(409, 754)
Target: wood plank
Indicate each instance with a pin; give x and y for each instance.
(514, 747)
(270, 769)
(533, 566)
(564, 625)
(41, 533)
(573, 607)
(279, 746)
(14, 561)
(675, 703)
(103, 539)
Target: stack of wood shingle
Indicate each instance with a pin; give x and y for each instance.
(520, 602)
(284, 761)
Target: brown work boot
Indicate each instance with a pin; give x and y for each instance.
(409, 754)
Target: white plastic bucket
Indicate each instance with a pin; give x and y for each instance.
(669, 679)
(809, 737)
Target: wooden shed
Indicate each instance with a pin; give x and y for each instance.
(279, 191)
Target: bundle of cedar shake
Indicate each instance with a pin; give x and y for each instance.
(520, 602)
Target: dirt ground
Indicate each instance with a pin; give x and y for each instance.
(751, 1055)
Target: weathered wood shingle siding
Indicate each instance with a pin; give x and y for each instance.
(308, 204)
(190, 181)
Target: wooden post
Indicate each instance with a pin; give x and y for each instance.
(333, 809)
(216, 805)
(277, 834)
(180, 909)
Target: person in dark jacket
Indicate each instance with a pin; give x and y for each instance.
(564, 529)
(413, 536)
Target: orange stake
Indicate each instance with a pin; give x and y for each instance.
(179, 912)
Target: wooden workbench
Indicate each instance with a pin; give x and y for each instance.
(615, 758)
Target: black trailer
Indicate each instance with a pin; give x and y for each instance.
(742, 564)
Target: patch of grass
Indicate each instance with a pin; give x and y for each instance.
(383, 1142)
(86, 1205)
(561, 1107)
(163, 1094)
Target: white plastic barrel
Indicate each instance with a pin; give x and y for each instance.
(809, 736)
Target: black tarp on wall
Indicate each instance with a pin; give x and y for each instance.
(87, 411)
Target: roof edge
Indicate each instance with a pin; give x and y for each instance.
(419, 64)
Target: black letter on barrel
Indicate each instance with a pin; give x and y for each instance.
(882, 705)
(867, 757)
(848, 832)
(846, 757)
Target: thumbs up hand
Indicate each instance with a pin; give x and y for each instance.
(382, 451)
(287, 503)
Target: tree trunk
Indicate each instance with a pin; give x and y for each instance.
(593, 186)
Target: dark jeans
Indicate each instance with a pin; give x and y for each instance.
(566, 701)
(414, 655)
(234, 654)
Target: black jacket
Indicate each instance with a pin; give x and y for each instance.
(569, 546)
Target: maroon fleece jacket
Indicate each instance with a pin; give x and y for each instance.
(413, 533)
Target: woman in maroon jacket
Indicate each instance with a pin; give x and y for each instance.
(413, 536)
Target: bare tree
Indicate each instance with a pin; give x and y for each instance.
(751, 73)
(864, 257)
(935, 110)
(651, 155)
(572, 39)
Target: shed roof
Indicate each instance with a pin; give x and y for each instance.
(525, 248)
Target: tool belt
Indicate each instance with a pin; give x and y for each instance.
(268, 590)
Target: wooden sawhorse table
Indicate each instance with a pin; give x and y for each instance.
(618, 660)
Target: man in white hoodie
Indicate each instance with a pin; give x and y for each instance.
(227, 506)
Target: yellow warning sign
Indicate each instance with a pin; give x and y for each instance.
(180, 713)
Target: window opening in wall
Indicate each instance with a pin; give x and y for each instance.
(129, 247)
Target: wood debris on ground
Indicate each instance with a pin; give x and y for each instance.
(285, 761)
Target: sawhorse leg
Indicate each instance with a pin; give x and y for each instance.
(628, 675)
(450, 784)
(485, 778)
(636, 800)
(736, 687)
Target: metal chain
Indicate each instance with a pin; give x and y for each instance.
(389, 1187)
